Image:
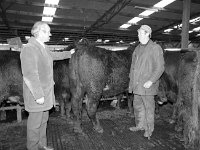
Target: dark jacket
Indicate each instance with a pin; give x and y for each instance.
(147, 64)
(37, 70)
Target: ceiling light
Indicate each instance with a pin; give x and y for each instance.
(172, 49)
(124, 26)
(177, 26)
(49, 11)
(47, 19)
(132, 42)
(99, 40)
(195, 20)
(147, 12)
(106, 41)
(163, 3)
(134, 20)
(191, 31)
(53, 2)
(198, 35)
(196, 29)
(66, 39)
(168, 30)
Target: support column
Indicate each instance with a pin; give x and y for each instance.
(185, 23)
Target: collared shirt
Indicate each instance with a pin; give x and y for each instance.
(41, 43)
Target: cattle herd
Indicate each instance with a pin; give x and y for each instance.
(93, 72)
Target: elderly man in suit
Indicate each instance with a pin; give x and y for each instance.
(38, 84)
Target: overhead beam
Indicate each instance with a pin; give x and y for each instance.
(133, 4)
(68, 18)
(108, 15)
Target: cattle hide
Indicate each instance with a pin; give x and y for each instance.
(61, 87)
(188, 103)
(10, 75)
(168, 87)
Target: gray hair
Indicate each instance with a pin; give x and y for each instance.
(37, 27)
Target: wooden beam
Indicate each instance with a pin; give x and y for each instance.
(185, 24)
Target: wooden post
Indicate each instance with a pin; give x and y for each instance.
(19, 113)
(185, 23)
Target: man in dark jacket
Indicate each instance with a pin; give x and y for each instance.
(146, 68)
(38, 84)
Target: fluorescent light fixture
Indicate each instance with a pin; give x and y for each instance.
(147, 12)
(99, 40)
(168, 30)
(196, 29)
(105, 41)
(191, 31)
(53, 2)
(195, 20)
(47, 19)
(163, 3)
(133, 42)
(49, 11)
(124, 26)
(172, 49)
(134, 20)
(66, 39)
(198, 35)
(179, 26)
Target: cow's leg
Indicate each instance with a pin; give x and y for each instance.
(67, 104)
(62, 108)
(130, 99)
(77, 109)
(91, 106)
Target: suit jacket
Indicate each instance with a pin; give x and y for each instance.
(37, 70)
(147, 64)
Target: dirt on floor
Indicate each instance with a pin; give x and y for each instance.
(116, 136)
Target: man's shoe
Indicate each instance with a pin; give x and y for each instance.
(147, 134)
(134, 129)
(45, 148)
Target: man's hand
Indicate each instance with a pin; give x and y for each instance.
(40, 100)
(147, 84)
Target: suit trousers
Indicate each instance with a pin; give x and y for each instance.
(36, 129)
(144, 108)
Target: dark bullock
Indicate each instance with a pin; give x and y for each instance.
(168, 87)
(10, 76)
(180, 84)
(188, 102)
(96, 72)
(61, 87)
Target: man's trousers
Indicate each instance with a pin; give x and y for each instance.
(36, 129)
(144, 108)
